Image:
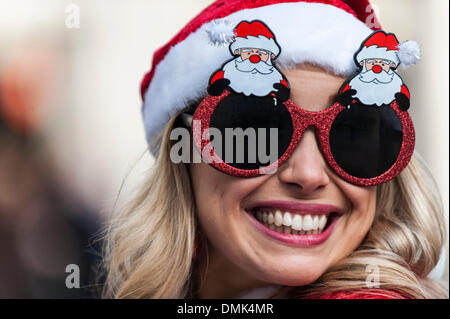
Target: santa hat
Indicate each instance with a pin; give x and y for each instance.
(254, 35)
(322, 32)
(382, 45)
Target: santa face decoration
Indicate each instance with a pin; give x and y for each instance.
(377, 83)
(251, 71)
(366, 136)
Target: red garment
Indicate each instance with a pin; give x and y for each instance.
(372, 293)
(362, 294)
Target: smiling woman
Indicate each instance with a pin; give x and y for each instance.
(309, 228)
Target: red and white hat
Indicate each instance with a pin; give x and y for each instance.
(254, 35)
(382, 45)
(321, 32)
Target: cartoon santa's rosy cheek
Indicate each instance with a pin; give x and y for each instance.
(377, 83)
(251, 71)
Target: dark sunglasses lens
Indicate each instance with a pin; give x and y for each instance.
(365, 140)
(249, 132)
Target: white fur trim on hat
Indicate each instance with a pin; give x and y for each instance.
(409, 52)
(260, 42)
(376, 52)
(220, 32)
(315, 33)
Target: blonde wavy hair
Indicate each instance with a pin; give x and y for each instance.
(150, 243)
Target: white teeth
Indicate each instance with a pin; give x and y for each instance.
(278, 218)
(292, 223)
(270, 218)
(297, 222)
(316, 222)
(287, 219)
(322, 222)
(307, 223)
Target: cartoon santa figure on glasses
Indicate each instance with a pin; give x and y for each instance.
(251, 71)
(377, 83)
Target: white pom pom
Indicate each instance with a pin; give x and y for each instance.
(409, 52)
(220, 32)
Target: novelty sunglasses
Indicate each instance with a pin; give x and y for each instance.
(249, 126)
(363, 145)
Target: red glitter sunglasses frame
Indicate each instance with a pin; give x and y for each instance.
(301, 120)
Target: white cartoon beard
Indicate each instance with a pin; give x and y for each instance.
(253, 81)
(377, 92)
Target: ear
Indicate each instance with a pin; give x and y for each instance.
(236, 52)
(272, 56)
(361, 63)
(393, 65)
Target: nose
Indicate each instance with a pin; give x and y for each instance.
(306, 169)
(376, 69)
(255, 58)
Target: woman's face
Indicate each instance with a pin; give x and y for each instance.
(244, 253)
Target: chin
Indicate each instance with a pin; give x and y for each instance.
(295, 275)
(295, 280)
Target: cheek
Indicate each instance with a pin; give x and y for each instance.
(219, 196)
(220, 211)
(359, 221)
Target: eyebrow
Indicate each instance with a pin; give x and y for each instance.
(262, 51)
(247, 50)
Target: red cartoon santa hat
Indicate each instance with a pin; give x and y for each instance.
(382, 45)
(321, 32)
(254, 35)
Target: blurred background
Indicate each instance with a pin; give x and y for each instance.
(71, 133)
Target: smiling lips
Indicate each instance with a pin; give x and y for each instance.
(291, 223)
(295, 223)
